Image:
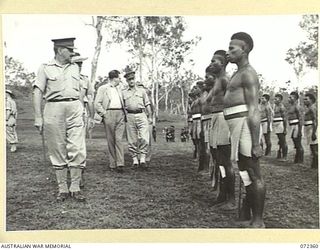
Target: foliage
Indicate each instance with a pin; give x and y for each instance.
(16, 74)
(306, 52)
(158, 50)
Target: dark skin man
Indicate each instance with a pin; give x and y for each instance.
(243, 117)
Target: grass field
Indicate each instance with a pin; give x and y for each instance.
(171, 195)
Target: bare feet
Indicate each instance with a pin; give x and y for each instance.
(250, 224)
(228, 206)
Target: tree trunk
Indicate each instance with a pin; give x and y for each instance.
(166, 98)
(140, 47)
(97, 50)
(183, 101)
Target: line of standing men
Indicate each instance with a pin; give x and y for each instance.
(65, 93)
(225, 122)
(294, 120)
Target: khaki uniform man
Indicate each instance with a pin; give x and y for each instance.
(62, 119)
(139, 118)
(87, 97)
(109, 105)
(88, 91)
(11, 121)
(151, 126)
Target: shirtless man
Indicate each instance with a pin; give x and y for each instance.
(280, 126)
(266, 118)
(243, 117)
(196, 120)
(204, 149)
(295, 118)
(219, 131)
(191, 99)
(310, 127)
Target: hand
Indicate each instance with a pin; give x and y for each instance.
(150, 120)
(313, 136)
(256, 151)
(38, 123)
(284, 132)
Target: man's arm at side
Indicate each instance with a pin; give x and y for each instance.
(250, 85)
(98, 102)
(301, 119)
(37, 101)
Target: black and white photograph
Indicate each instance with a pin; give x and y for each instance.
(160, 122)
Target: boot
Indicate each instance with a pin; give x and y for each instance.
(75, 192)
(61, 175)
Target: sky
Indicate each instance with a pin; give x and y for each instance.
(28, 39)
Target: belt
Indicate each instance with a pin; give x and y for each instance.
(206, 117)
(294, 122)
(277, 119)
(63, 100)
(264, 120)
(235, 109)
(138, 111)
(307, 123)
(196, 116)
(114, 109)
(217, 112)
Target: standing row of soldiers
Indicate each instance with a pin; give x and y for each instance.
(226, 121)
(279, 118)
(66, 93)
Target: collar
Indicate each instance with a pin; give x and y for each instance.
(55, 62)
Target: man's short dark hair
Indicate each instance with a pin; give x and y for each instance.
(200, 83)
(266, 96)
(311, 97)
(223, 54)
(244, 37)
(295, 94)
(114, 74)
(279, 96)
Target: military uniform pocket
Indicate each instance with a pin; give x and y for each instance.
(54, 84)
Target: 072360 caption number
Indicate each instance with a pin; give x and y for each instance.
(306, 246)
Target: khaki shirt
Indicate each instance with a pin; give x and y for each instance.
(58, 81)
(135, 98)
(85, 84)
